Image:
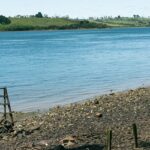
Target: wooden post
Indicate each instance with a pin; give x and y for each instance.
(135, 135)
(109, 139)
(5, 114)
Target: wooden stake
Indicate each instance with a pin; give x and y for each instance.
(5, 115)
(109, 139)
(135, 135)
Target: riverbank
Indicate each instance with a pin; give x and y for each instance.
(85, 123)
(29, 24)
(32, 23)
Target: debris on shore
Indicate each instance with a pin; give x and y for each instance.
(83, 125)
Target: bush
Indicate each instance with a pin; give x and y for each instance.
(4, 20)
(39, 15)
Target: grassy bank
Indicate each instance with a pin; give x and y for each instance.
(33, 23)
(125, 22)
(24, 24)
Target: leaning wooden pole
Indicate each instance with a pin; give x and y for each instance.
(9, 107)
(135, 135)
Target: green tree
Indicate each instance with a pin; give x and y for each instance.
(136, 16)
(39, 15)
(118, 17)
(4, 20)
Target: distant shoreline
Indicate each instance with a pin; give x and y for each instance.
(75, 29)
(48, 24)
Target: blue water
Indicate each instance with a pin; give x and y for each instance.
(46, 68)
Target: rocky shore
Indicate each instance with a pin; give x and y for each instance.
(83, 125)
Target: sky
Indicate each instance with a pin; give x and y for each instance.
(76, 8)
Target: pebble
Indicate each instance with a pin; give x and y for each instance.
(99, 115)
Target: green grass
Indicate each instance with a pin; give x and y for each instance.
(35, 23)
(20, 24)
(41, 21)
(126, 22)
(23, 24)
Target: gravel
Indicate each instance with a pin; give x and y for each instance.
(84, 125)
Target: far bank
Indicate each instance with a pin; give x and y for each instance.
(33, 23)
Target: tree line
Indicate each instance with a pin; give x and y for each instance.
(6, 20)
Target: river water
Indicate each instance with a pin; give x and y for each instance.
(46, 68)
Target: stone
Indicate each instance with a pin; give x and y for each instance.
(6, 127)
(99, 115)
(3, 130)
(5, 138)
(68, 141)
(96, 101)
(43, 143)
